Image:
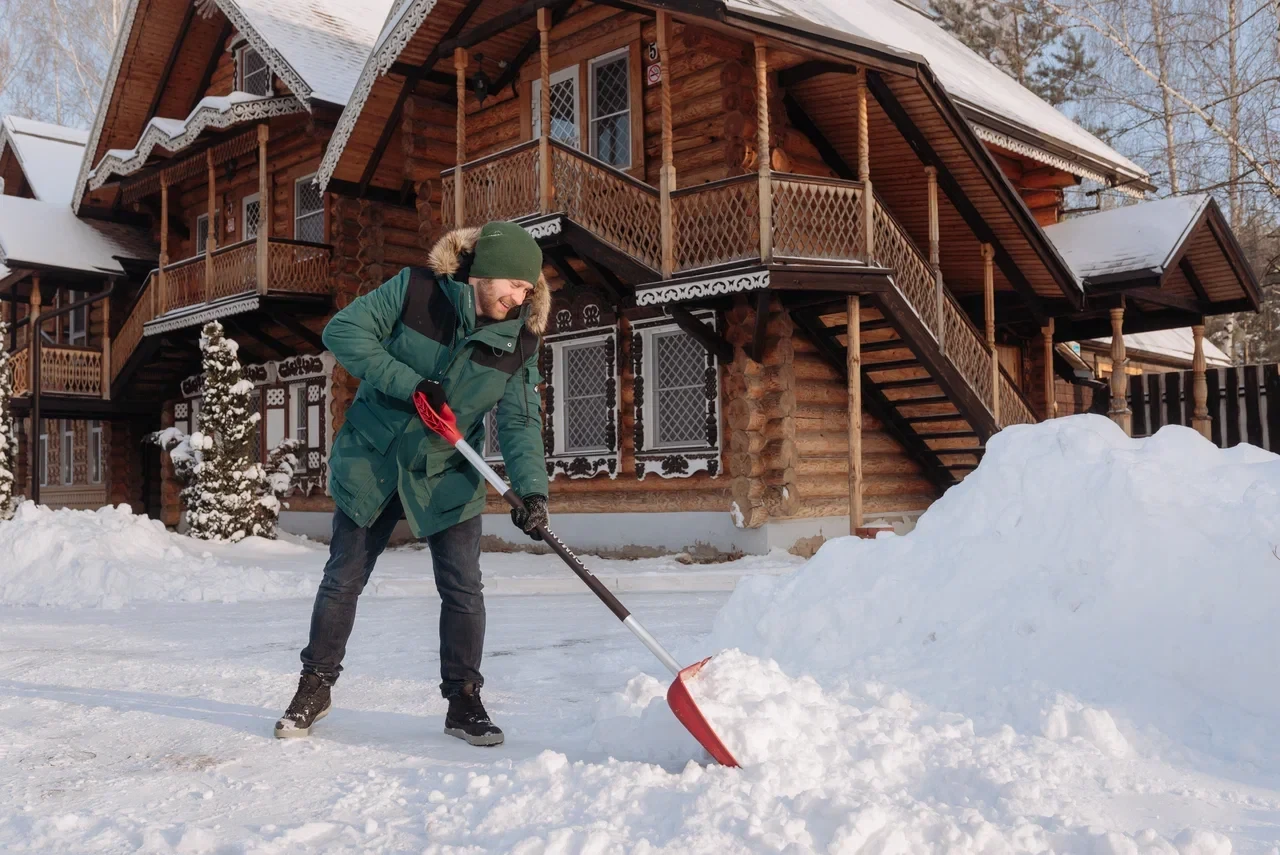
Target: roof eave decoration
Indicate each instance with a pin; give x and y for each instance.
(1136, 187)
(269, 54)
(202, 118)
(379, 61)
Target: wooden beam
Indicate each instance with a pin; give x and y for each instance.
(207, 78)
(798, 74)
(298, 328)
(764, 299)
(1163, 298)
(954, 192)
(174, 50)
(562, 266)
(711, 341)
(494, 26)
(667, 175)
(238, 322)
(614, 289)
(853, 385)
(459, 186)
(351, 189)
(1200, 420)
(1194, 281)
(510, 75)
(1119, 411)
(801, 121)
(411, 81)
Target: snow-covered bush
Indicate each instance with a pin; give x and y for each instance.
(226, 494)
(8, 440)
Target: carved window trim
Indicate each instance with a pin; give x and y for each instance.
(579, 464)
(246, 78)
(673, 462)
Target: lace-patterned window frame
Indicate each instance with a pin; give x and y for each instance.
(565, 119)
(677, 400)
(609, 99)
(250, 216)
(580, 410)
(308, 210)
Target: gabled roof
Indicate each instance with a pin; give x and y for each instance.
(1004, 111)
(1134, 239)
(48, 154)
(317, 47)
(48, 235)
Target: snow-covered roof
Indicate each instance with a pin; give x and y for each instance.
(49, 155)
(323, 42)
(176, 134)
(968, 78)
(1176, 343)
(49, 235)
(1132, 239)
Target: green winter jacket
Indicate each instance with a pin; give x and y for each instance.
(422, 324)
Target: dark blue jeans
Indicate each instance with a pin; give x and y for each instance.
(455, 555)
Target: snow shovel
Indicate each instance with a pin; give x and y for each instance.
(678, 696)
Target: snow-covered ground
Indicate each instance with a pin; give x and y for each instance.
(1075, 651)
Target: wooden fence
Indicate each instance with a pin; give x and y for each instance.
(1238, 404)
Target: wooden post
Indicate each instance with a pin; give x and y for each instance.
(460, 70)
(853, 357)
(989, 317)
(1119, 411)
(1050, 402)
(864, 172)
(33, 330)
(106, 346)
(544, 113)
(211, 242)
(264, 211)
(33, 384)
(935, 258)
(667, 178)
(159, 297)
(1200, 386)
(762, 150)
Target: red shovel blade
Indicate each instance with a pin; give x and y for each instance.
(686, 710)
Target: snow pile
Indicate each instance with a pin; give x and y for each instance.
(1078, 584)
(110, 557)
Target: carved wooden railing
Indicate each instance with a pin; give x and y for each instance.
(502, 186)
(64, 370)
(716, 223)
(20, 368)
(610, 204)
(130, 334)
(966, 348)
(816, 218)
(293, 266)
(1015, 409)
(895, 249)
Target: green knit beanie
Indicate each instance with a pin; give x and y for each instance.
(506, 251)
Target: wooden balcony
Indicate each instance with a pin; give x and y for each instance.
(194, 286)
(64, 370)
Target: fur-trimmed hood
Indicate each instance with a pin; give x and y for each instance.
(446, 259)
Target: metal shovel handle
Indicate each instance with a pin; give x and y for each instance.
(445, 424)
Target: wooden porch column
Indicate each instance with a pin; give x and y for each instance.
(989, 317)
(264, 210)
(159, 299)
(762, 150)
(864, 172)
(544, 111)
(853, 350)
(935, 258)
(460, 71)
(667, 178)
(1050, 404)
(1200, 386)
(1119, 411)
(211, 242)
(106, 347)
(33, 330)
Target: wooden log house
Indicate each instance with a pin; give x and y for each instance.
(802, 272)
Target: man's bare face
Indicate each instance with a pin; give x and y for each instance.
(498, 298)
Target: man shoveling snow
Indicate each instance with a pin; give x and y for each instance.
(464, 333)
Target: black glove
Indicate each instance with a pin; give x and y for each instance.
(434, 393)
(533, 515)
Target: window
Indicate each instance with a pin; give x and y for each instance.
(308, 210)
(492, 451)
(44, 452)
(95, 452)
(585, 381)
(68, 450)
(679, 401)
(298, 419)
(564, 106)
(252, 72)
(77, 320)
(611, 109)
(251, 217)
(202, 233)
